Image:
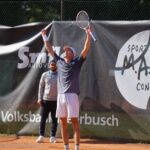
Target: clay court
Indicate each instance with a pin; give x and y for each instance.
(28, 143)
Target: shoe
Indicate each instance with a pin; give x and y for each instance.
(40, 139)
(52, 139)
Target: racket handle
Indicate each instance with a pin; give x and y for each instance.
(93, 37)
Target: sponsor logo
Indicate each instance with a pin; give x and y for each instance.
(17, 116)
(99, 120)
(28, 59)
(132, 70)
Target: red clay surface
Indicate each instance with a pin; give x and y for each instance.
(28, 143)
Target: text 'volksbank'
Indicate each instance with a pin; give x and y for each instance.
(17, 116)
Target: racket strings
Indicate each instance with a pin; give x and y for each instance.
(82, 20)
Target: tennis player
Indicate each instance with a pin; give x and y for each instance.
(68, 69)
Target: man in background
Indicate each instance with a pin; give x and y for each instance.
(47, 99)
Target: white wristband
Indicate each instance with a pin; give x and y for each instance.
(45, 38)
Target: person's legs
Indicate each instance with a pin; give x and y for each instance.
(73, 113)
(76, 128)
(64, 132)
(54, 122)
(44, 114)
(61, 113)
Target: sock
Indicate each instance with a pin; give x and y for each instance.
(77, 147)
(66, 147)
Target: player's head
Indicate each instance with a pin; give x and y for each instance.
(70, 52)
(52, 65)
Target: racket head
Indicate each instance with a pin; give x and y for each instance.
(82, 19)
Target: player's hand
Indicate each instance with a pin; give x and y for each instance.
(88, 30)
(39, 101)
(44, 32)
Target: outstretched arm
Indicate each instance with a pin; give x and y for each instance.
(87, 44)
(46, 42)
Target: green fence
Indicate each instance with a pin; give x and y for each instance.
(21, 12)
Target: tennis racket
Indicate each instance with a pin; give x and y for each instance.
(83, 21)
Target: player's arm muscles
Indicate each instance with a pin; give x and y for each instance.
(47, 43)
(86, 45)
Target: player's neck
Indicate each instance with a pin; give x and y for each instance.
(67, 60)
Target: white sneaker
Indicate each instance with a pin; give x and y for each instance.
(52, 139)
(40, 139)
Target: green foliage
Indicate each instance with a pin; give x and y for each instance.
(21, 12)
(36, 12)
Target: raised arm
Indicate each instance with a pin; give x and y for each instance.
(47, 43)
(87, 44)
